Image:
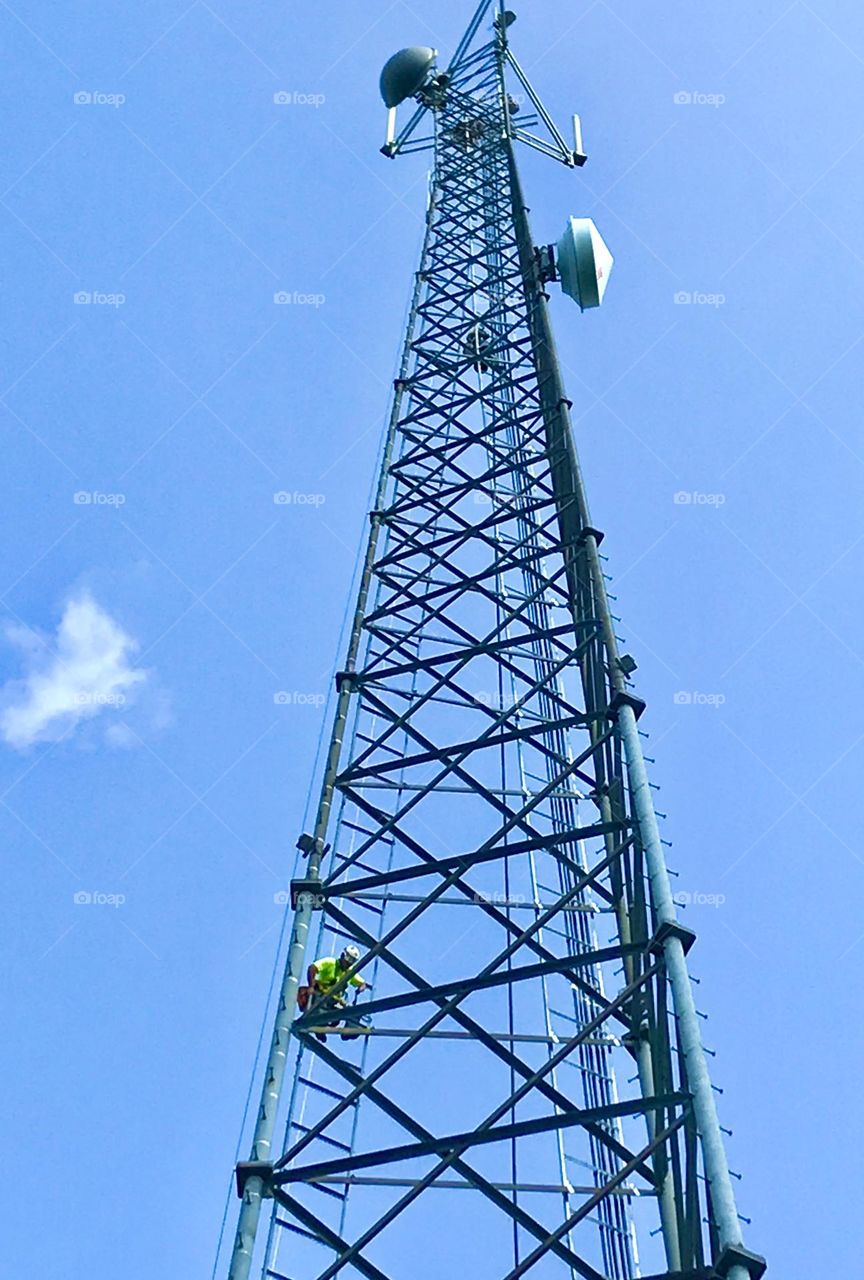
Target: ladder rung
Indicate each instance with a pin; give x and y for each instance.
(329, 1191)
(322, 1137)
(568, 1017)
(357, 862)
(369, 906)
(322, 1088)
(340, 933)
(300, 1231)
(365, 831)
(374, 742)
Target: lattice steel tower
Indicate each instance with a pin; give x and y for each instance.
(529, 1092)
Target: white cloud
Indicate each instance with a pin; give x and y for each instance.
(87, 669)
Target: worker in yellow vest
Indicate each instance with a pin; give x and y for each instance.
(323, 975)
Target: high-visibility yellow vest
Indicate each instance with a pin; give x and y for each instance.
(328, 972)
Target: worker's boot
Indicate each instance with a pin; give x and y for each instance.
(355, 1024)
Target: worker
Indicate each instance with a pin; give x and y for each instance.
(323, 976)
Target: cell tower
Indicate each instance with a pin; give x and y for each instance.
(523, 1089)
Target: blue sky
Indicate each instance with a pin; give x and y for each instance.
(148, 425)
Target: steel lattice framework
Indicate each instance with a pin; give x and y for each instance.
(533, 1087)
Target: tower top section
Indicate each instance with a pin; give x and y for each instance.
(480, 67)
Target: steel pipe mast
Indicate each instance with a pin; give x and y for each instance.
(529, 1091)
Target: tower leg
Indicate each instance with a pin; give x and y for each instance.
(262, 1142)
(574, 518)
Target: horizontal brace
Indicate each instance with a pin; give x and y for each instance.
(444, 866)
(453, 1184)
(507, 977)
(502, 1037)
(589, 908)
(468, 747)
(484, 1137)
(522, 793)
(509, 645)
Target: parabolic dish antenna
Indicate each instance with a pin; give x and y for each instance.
(405, 73)
(584, 262)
